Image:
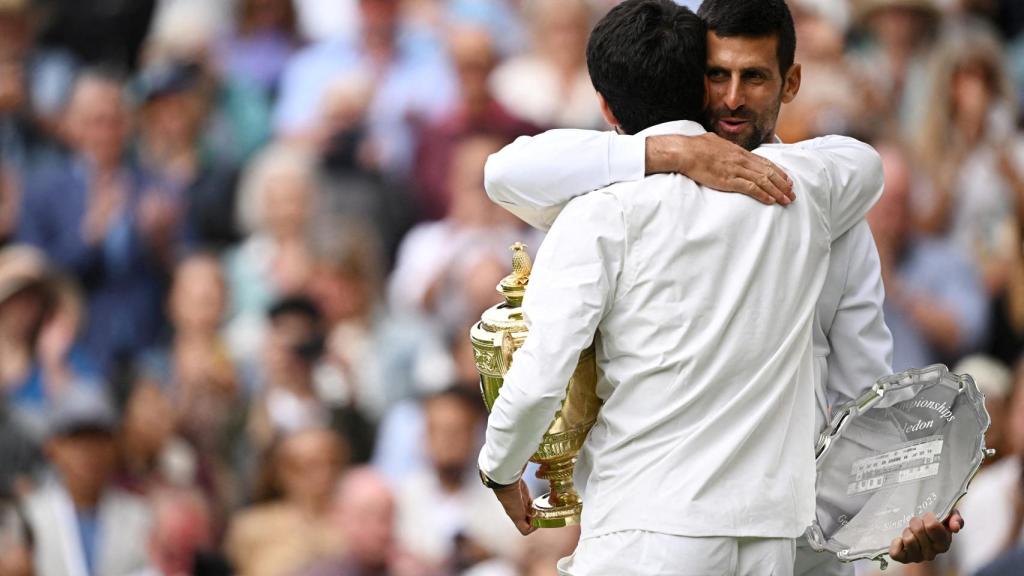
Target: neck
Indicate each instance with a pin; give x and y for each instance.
(84, 499)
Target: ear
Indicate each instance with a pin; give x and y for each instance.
(791, 85)
(606, 111)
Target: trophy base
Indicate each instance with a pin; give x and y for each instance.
(547, 515)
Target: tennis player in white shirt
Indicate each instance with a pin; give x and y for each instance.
(751, 73)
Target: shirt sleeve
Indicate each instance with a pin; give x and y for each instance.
(855, 176)
(572, 286)
(860, 341)
(536, 176)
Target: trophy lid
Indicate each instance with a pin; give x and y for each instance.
(513, 286)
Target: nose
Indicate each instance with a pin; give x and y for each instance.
(734, 97)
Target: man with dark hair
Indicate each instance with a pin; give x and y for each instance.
(750, 72)
(698, 463)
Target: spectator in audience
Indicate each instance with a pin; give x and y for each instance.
(550, 86)
(995, 502)
(935, 303)
(81, 523)
(893, 58)
(266, 36)
(448, 269)
(236, 114)
(198, 184)
(15, 541)
(150, 452)
(400, 66)
(443, 511)
(291, 529)
(277, 200)
(970, 145)
(995, 381)
(91, 216)
(363, 514)
(40, 315)
(477, 112)
(287, 398)
(182, 530)
(373, 354)
(194, 367)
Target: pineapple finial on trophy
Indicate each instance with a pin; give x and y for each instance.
(513, 286)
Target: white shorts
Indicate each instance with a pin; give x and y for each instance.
(640, 553)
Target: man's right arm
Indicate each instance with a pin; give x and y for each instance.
(535, 176)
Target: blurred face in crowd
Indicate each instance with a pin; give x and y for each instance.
(198, 296)
(972, 92)
(1014, 425)
(286, 202)
(85, 462)
(309, 465)
(470, 206)
(364, 510)
(452, 428)
(746, 88)
(148, 421)
(96, 121)
(472, 52)
(341, 293)
(561, 30)
(284, 366)
(15, 33)
(182, 527)
(379, 20)
(174, 119)
(12, 85)
(890, 216)
(898, 27)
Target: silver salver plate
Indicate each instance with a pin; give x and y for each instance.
(909, 446)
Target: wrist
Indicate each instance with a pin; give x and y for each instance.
(665, 154)
(493, 484)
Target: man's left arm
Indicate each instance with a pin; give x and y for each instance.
(572, 285)
(861, 352)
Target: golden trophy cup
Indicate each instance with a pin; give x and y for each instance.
(499, 333)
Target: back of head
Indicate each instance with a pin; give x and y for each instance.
(753, 19)
(647, 59)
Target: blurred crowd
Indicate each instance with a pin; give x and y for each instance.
(242, 242)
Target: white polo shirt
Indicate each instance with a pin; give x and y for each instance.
(702, 304)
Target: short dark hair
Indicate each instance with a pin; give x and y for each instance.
(647, 59)
(754, 19)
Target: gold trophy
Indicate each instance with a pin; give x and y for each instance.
(499, 333)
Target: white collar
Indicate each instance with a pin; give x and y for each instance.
(681, 127)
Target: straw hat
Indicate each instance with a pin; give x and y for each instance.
(22, 268)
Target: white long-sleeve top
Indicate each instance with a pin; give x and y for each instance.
(536, 176)
(701, 305)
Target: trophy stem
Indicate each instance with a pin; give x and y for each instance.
(562, 505)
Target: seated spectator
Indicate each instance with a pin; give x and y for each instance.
(40, 358)
(971, 148)
(91, 216)
(477, 112)
(235, 114)
(445, 514)
(400, 66)
(550, 87)
(277, 200)
(363, 514)
(194, 367)
(195, 182)
(81, 523)
(995, 381)
(935, 303)
(893, 57)
(287, 398)
(291, 528)
(448, 269)
(182, 530)
(265, 37)
(374, 358)
(995, 503)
